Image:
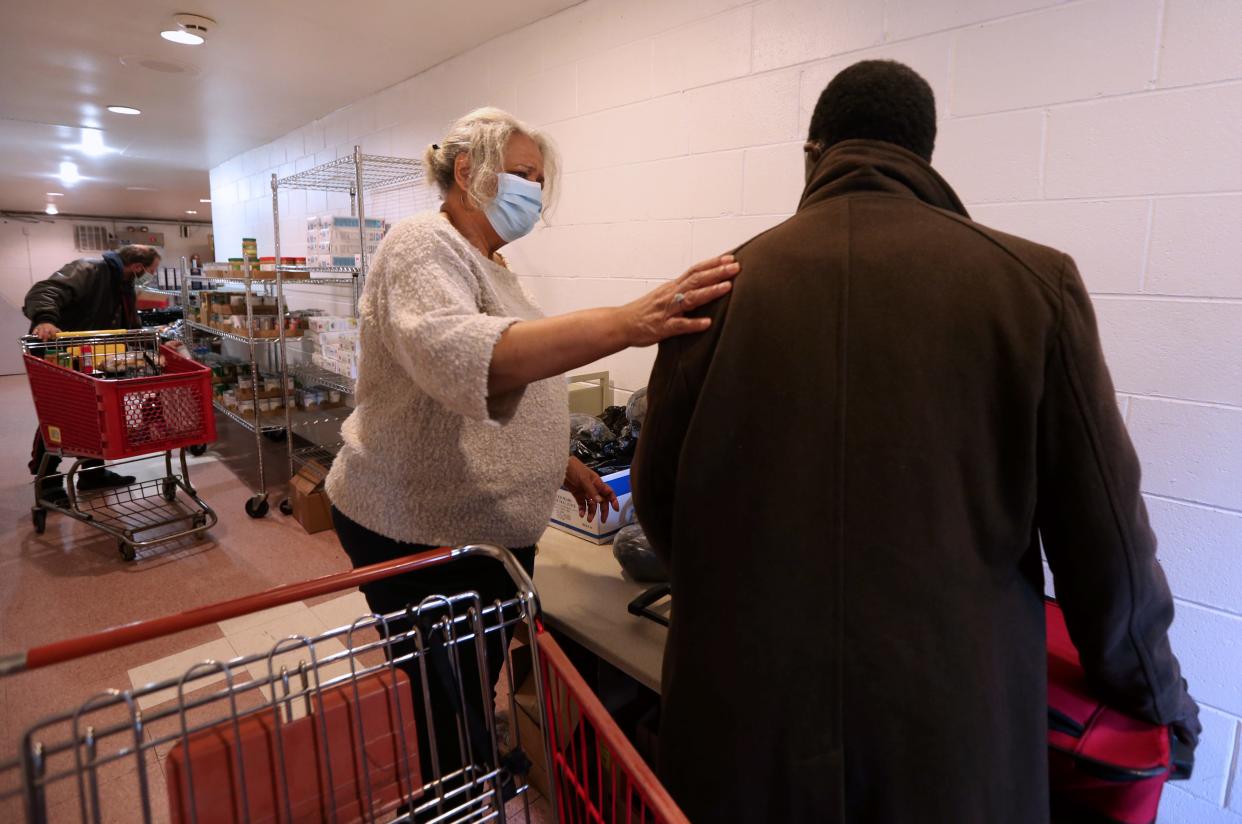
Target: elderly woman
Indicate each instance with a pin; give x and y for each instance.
(461, 430)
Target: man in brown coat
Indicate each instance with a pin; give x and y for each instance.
(850, 475)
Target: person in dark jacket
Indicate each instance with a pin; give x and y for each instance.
(85, 295)
(850, 474)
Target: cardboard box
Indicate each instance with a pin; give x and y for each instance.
(310, 501)
(565, 515)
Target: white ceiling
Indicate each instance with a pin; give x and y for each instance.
(269, 67)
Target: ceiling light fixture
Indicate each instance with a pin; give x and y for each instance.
(55, 194)
(140, 189)
(124, 110)
(51, 209)
(204, 200)
(93, 143)
(69, 173)
(189, 29)
(190, 212)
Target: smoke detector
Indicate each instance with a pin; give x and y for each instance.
(189, 29)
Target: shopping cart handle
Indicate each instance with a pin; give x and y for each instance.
(139, 631)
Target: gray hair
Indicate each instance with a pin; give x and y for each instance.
(482, 136)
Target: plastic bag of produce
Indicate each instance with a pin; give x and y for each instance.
(633, 552)
(636, 410)
(589, 429)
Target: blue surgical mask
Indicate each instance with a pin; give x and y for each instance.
(516, 208)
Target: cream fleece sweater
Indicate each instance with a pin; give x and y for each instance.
(426, 458)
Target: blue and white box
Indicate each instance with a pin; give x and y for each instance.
(565, 515)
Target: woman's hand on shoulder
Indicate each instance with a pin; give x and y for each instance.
(661, 313)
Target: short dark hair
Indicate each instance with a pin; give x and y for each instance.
(137, 253)
(877, 100)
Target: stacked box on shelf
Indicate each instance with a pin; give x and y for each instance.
(335, 344)
(333, 240)
(226, 311)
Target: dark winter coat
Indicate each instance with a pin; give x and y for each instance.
(850, 474)
(87, 294)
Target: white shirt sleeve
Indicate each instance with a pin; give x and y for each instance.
(435, 329)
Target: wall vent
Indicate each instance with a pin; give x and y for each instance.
(91, 238)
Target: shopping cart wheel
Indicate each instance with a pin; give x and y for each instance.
(286, 507)
(256, 507)
(169, 489)
(127, 551)
(200, 520)
(198, 449)
(38, 516)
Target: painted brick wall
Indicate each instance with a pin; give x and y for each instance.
(1109, 128)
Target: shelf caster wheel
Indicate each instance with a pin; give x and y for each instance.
(38, 516)
(127, 552)
(200, 521)
(256, 507)
(198, 450)
(286, 507)
(169, 490)
(276, 435)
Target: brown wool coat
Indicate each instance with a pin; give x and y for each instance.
(850, 474)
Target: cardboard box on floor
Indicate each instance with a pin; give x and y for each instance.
(528, 719)
(309, 499)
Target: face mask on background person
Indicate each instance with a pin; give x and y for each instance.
(143, 279)
(516, 208)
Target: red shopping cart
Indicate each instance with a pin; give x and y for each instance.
(338, 725)
(120, 396)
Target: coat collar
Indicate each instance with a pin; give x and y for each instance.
(876, 166)
(115, 264)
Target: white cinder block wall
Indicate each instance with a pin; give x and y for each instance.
(1109, 128)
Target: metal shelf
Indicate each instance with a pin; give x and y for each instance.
(378, 173)
(250, 284)
(312, 375)
(246, 422)
(211, 330)
(298, 418)
(172, 293)
(320, 281)
(323, 454)
(301, 417)
(342, 270)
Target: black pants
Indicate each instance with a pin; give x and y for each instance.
(451, 677)
(36, 456)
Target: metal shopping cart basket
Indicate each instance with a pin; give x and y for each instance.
(339, 725)
(120, 397)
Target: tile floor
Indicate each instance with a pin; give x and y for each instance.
(71, 581)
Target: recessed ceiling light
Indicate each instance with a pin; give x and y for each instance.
(93, 143)
(51, 209)
(124, 110)
(189, 29)
(190, 212)
(204, 200)
(55, 194)
(185, 38)
(69, 173)
(140, 189)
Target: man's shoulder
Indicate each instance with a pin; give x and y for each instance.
(1036, 255)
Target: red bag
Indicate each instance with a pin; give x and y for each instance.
(1103, 765)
